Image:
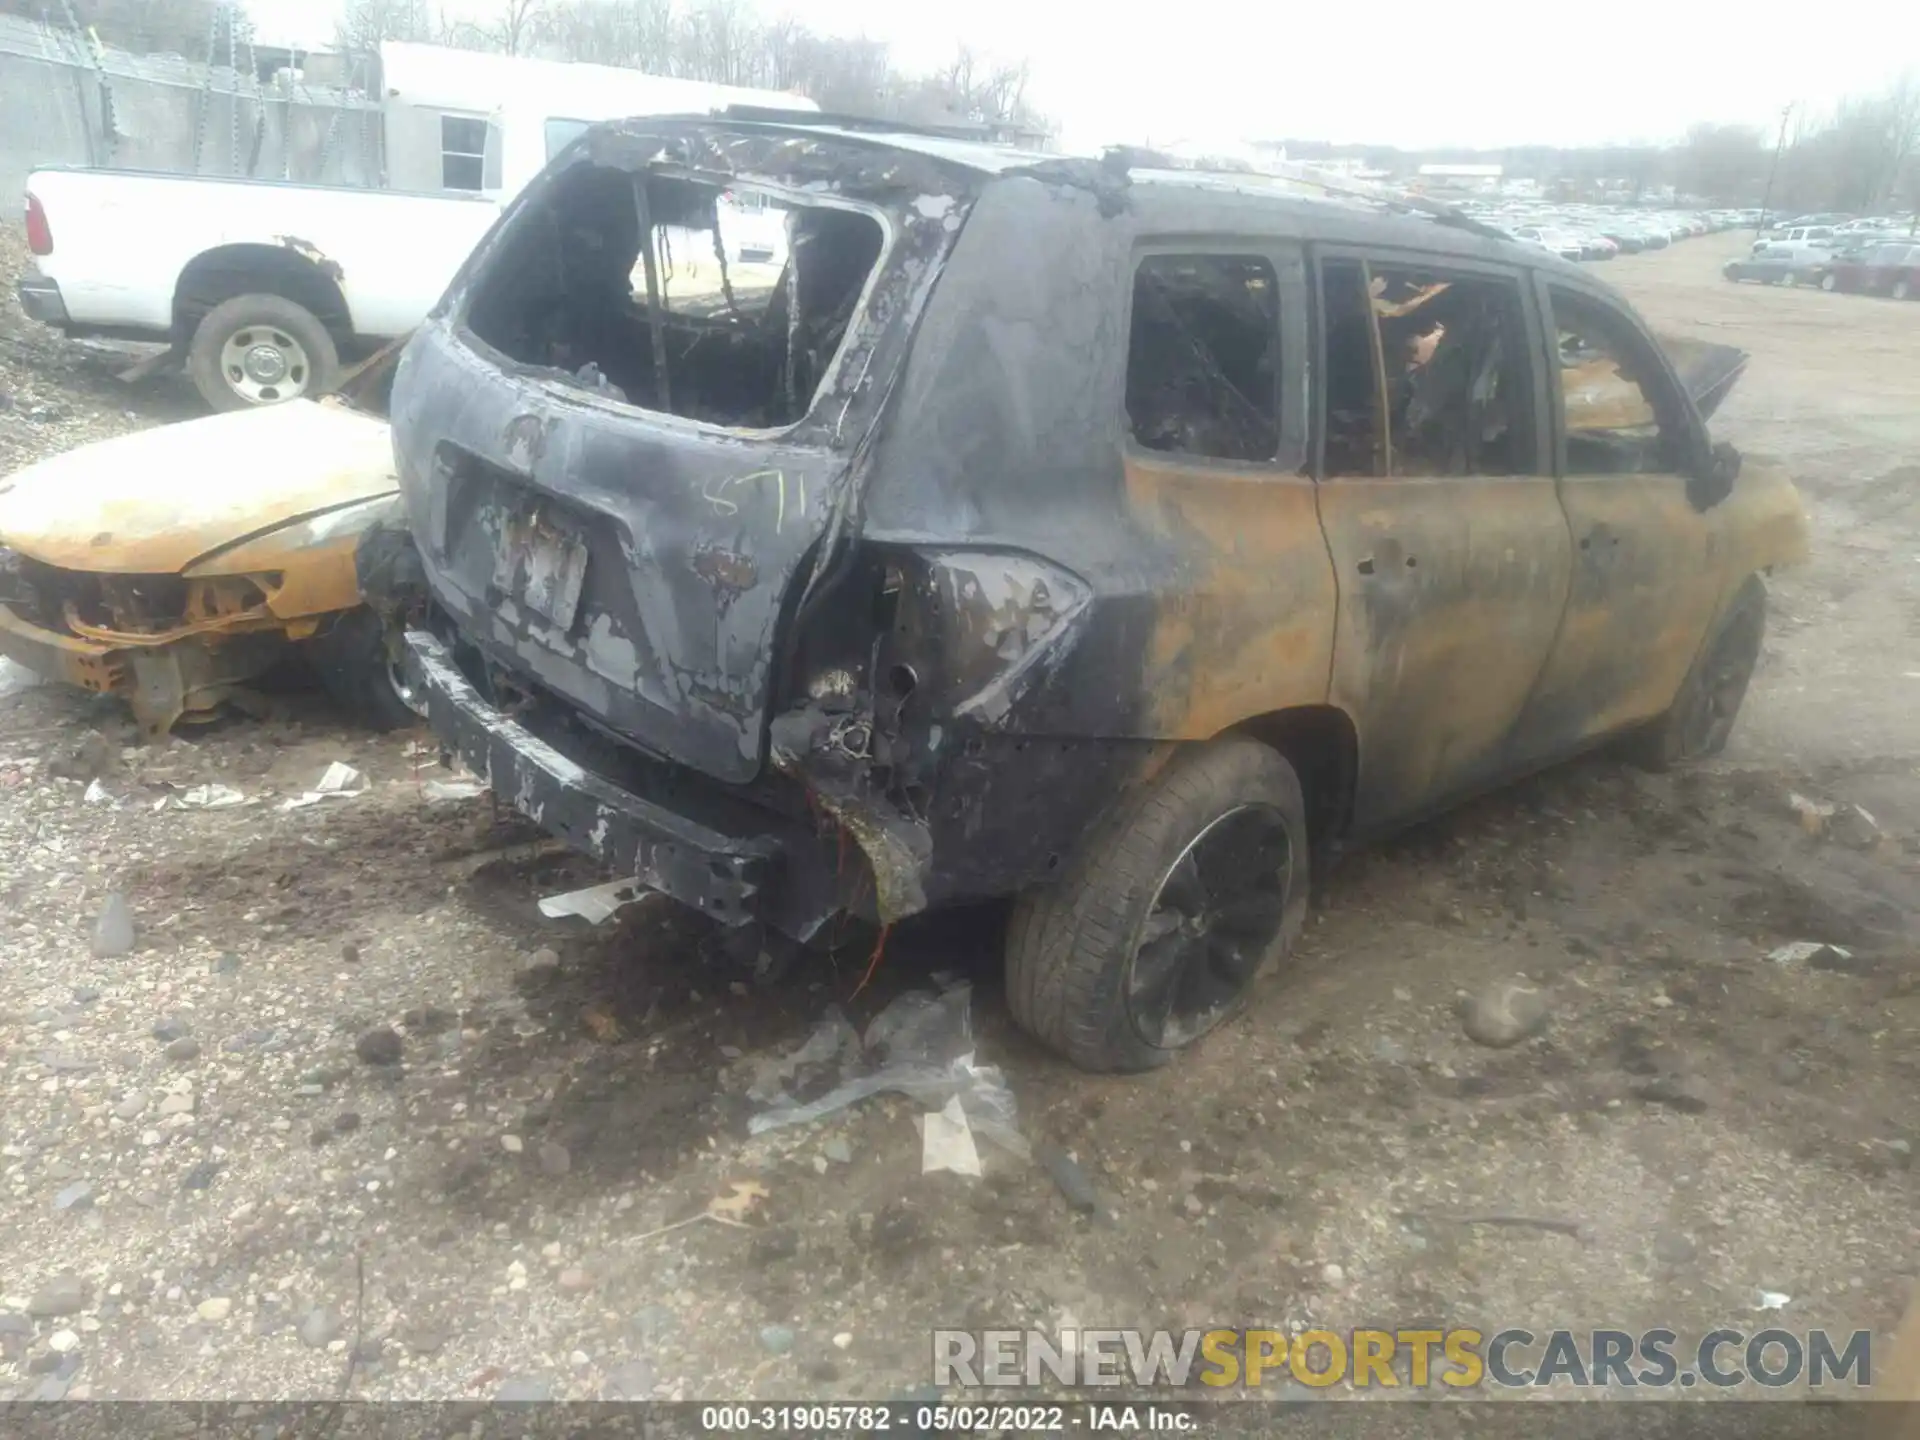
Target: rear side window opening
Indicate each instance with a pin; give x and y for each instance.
(754, 295)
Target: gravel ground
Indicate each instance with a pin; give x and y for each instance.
(350, 1111)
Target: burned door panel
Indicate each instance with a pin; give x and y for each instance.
(1450, 550)
(1247, 629)
(1650, 567)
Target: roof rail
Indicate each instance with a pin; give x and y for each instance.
(1132, 157)
(774, 115)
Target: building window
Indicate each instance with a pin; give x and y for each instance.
(463, 152)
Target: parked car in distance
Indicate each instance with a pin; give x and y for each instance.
(1782, 264)
(1886, 268)
(766, 607)
(1796, 235)
(1557, 242)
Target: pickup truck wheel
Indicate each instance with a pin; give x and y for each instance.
(261, 350)
(1171, 907)
(359, 663)
(1700, 722)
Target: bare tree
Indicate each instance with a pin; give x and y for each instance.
(364, 24)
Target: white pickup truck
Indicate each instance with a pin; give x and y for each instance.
(265, 288)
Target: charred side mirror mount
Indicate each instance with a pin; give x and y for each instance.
(1714, 482)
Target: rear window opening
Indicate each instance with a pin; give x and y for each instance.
(755, 294)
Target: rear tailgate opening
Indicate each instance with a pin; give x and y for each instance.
(753, 293)
(634, 436)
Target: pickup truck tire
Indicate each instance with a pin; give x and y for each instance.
(358, 662)
(260, 350)
(1160, 922)
(1700, 721)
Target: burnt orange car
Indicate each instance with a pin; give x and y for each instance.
(1115, 538)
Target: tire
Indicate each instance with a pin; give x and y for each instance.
(1902, 290)
(261, 350)
(357, 661)
(1701, 719)
(1829, 283)
(1074, 946)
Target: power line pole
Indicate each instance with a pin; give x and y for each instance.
(1766, 200)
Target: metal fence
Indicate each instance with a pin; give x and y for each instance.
(67, 101)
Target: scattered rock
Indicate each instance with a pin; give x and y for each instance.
(200, 1175)
(425, 1337)
(320, 1327)
(346, 1122)
(1332, 1274)
(113, 931)
(1389, 1051)
(838, 1151)
(1853, 827)
(184, 1049)
(523, 1390)
(1685, 1093)
(64, 1294)
(215, 1308)
(226, 964)
(87, 758)
(350, 953)
(63, 1341)
(652, 1323)
(1672, 1247)
(628, 1380)
(369, 1351)
(77, 1196)
(171, 1029)
(14, 1323)
(85, 994)
(511, 1144)
(843, 1340)
(823, 1370)
(178, 1102)
(776, 1339)
(1505, 1013)
(1193, 1204)
(554, 1159)
(575, 1279)
(380, 1046)
(1788, 1071)
(538, 970)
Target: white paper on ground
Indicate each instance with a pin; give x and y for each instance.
(946, 1141)
(209, 797)
(596, 903)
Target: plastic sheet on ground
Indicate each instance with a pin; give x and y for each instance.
(595, 904)
(204, 797)
(340, 782)
(920, 1046)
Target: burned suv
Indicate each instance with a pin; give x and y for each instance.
(1116, 538)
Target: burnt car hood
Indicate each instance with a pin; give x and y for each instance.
(1707, 371)
(154, 502)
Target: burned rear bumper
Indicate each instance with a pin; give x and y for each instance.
(731, 867)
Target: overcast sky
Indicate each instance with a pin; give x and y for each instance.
(1403, 72)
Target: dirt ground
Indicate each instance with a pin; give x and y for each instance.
(212, 1173)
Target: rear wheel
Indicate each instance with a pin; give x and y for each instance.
(261, 350)
(1902, 290)
(1171, 907)
(1829, 281)
(1701, 719)
(360, 662)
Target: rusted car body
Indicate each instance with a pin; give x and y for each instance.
(175, 566)
(1040, 502)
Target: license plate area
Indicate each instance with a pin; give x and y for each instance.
(541, 564)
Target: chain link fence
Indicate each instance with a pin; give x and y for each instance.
(67, 100)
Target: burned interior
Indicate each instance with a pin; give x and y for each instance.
(1202, 367)
(1426, 373)
(740, 341)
